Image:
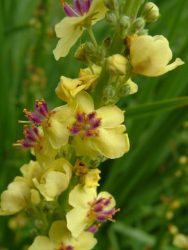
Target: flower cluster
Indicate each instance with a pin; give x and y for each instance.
(69, 142)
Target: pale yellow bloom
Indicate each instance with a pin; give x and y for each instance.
(181, 241)
(55, 179)
(68, 88)
(118, 64)
(15, 198)
(98, 132)
(70, 29)
(60, 238)
(88, 208)
(150, 56)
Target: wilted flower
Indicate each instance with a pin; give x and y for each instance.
(150, 56)
(68, 88)
(60, 238)
(80, 16)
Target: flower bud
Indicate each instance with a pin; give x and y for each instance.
(117, 64)
(124, 22)
(111, 17)
(139, 24)
(151, 12)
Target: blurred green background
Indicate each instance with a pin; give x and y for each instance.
(150, 183)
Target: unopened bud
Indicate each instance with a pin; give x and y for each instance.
(151, 12)
(124, 22)
(111, 17)
(117, 64)
(110, 95)
(111, 4)
(139, 23)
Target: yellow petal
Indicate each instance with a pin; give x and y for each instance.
(68, 88)
(57, 127)
(77, 221)
(157, 54)
(31, 170)
(86, 241)
(84, 102)
(111, 116)
(42, 243)
(83, 146)
(97, 10)
(58, 232)
(111, 144)
(15, 198)
(80, 196)
(69, 31)
(107, 195)
(172, 66)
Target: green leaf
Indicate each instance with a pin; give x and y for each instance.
(135, 234)
(156, 107)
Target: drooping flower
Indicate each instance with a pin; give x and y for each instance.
(88, 209)
(54, 123)
(60, 239)
(150, 56)
(82, 14)
(68, 88)
(54, 179)
(98, 132)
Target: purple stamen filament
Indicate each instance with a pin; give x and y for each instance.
(99, 210)
(79, 7)
(86, 124)
(40, 112)
(32, 137)
(64, 247)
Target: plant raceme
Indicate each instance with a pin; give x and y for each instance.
(59, 188)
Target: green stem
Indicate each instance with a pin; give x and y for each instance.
(92, 36)
(132, 7)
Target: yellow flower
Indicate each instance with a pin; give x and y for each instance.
(55, 179)
(181, 241)
(30, 171)
(88, 209)
(150, 56)
(71, 27)
(118, 64)
(60, 238)
(15, 198)
(98, 132)
(53, 122)
(68, 88)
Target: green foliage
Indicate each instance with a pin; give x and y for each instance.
(148, 179)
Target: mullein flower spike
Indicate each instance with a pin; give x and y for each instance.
(70, 141)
